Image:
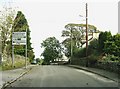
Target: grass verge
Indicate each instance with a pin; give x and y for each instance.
(19, 61)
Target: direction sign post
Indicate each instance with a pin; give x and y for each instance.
(26, 51)
(12, 55)
(19, 38)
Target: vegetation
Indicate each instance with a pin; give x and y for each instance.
(105, 48)
(111, 58)
(112, 46)
(19, 61)
(103, 37)
(106, 44)
(10, 22)
(21, 25)
(75, 37)
(6, 21)
(41, 61)
(52, 50)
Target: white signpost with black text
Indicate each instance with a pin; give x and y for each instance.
(19, 38)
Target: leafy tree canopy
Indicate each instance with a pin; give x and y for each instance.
(6, 20)
(76, 33)
(103, 37)
(21, 25)
(52, 49)
(112, 46)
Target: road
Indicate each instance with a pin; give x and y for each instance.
(61, 76)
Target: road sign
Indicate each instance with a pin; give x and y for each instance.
(19, 38)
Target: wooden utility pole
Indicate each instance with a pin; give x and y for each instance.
(86, 31)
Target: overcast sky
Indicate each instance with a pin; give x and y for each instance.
(48, 18)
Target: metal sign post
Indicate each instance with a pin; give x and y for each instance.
(12, 55)
(26, 51)
(19, 38)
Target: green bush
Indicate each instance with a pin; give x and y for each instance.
(92, 59)
(103, 37)
(41, 62)
(80, 53)
(113, 46)
(92, 49)
(111, 58)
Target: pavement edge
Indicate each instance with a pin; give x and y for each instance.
(92, 72)
(5, 85)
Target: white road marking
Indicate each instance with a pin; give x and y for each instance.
(98, 77)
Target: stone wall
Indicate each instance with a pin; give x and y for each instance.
(78, 61)
(109, 66)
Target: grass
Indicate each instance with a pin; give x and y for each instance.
(19, 62)
(0, 67)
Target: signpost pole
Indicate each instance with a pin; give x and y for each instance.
(26, 51)
(12, 52)
(12, 55)
(19, 38)
(87, 33)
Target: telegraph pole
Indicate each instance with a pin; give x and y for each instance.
(86, 32)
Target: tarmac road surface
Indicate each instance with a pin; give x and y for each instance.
(61, 76)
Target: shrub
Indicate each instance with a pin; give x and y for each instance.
(103, 37)
(111, 58)
(80, 53)
(92, 59)
(113, 46)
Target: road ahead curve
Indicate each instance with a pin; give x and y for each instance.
(61, 76)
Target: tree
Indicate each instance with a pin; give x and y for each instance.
(93, 47)
(67, 47)
(103, 37)
(6, 21)
(112, 46)
(21, 25)
(52, 49)
(31, 55)
(94, 44)
(76, 37)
